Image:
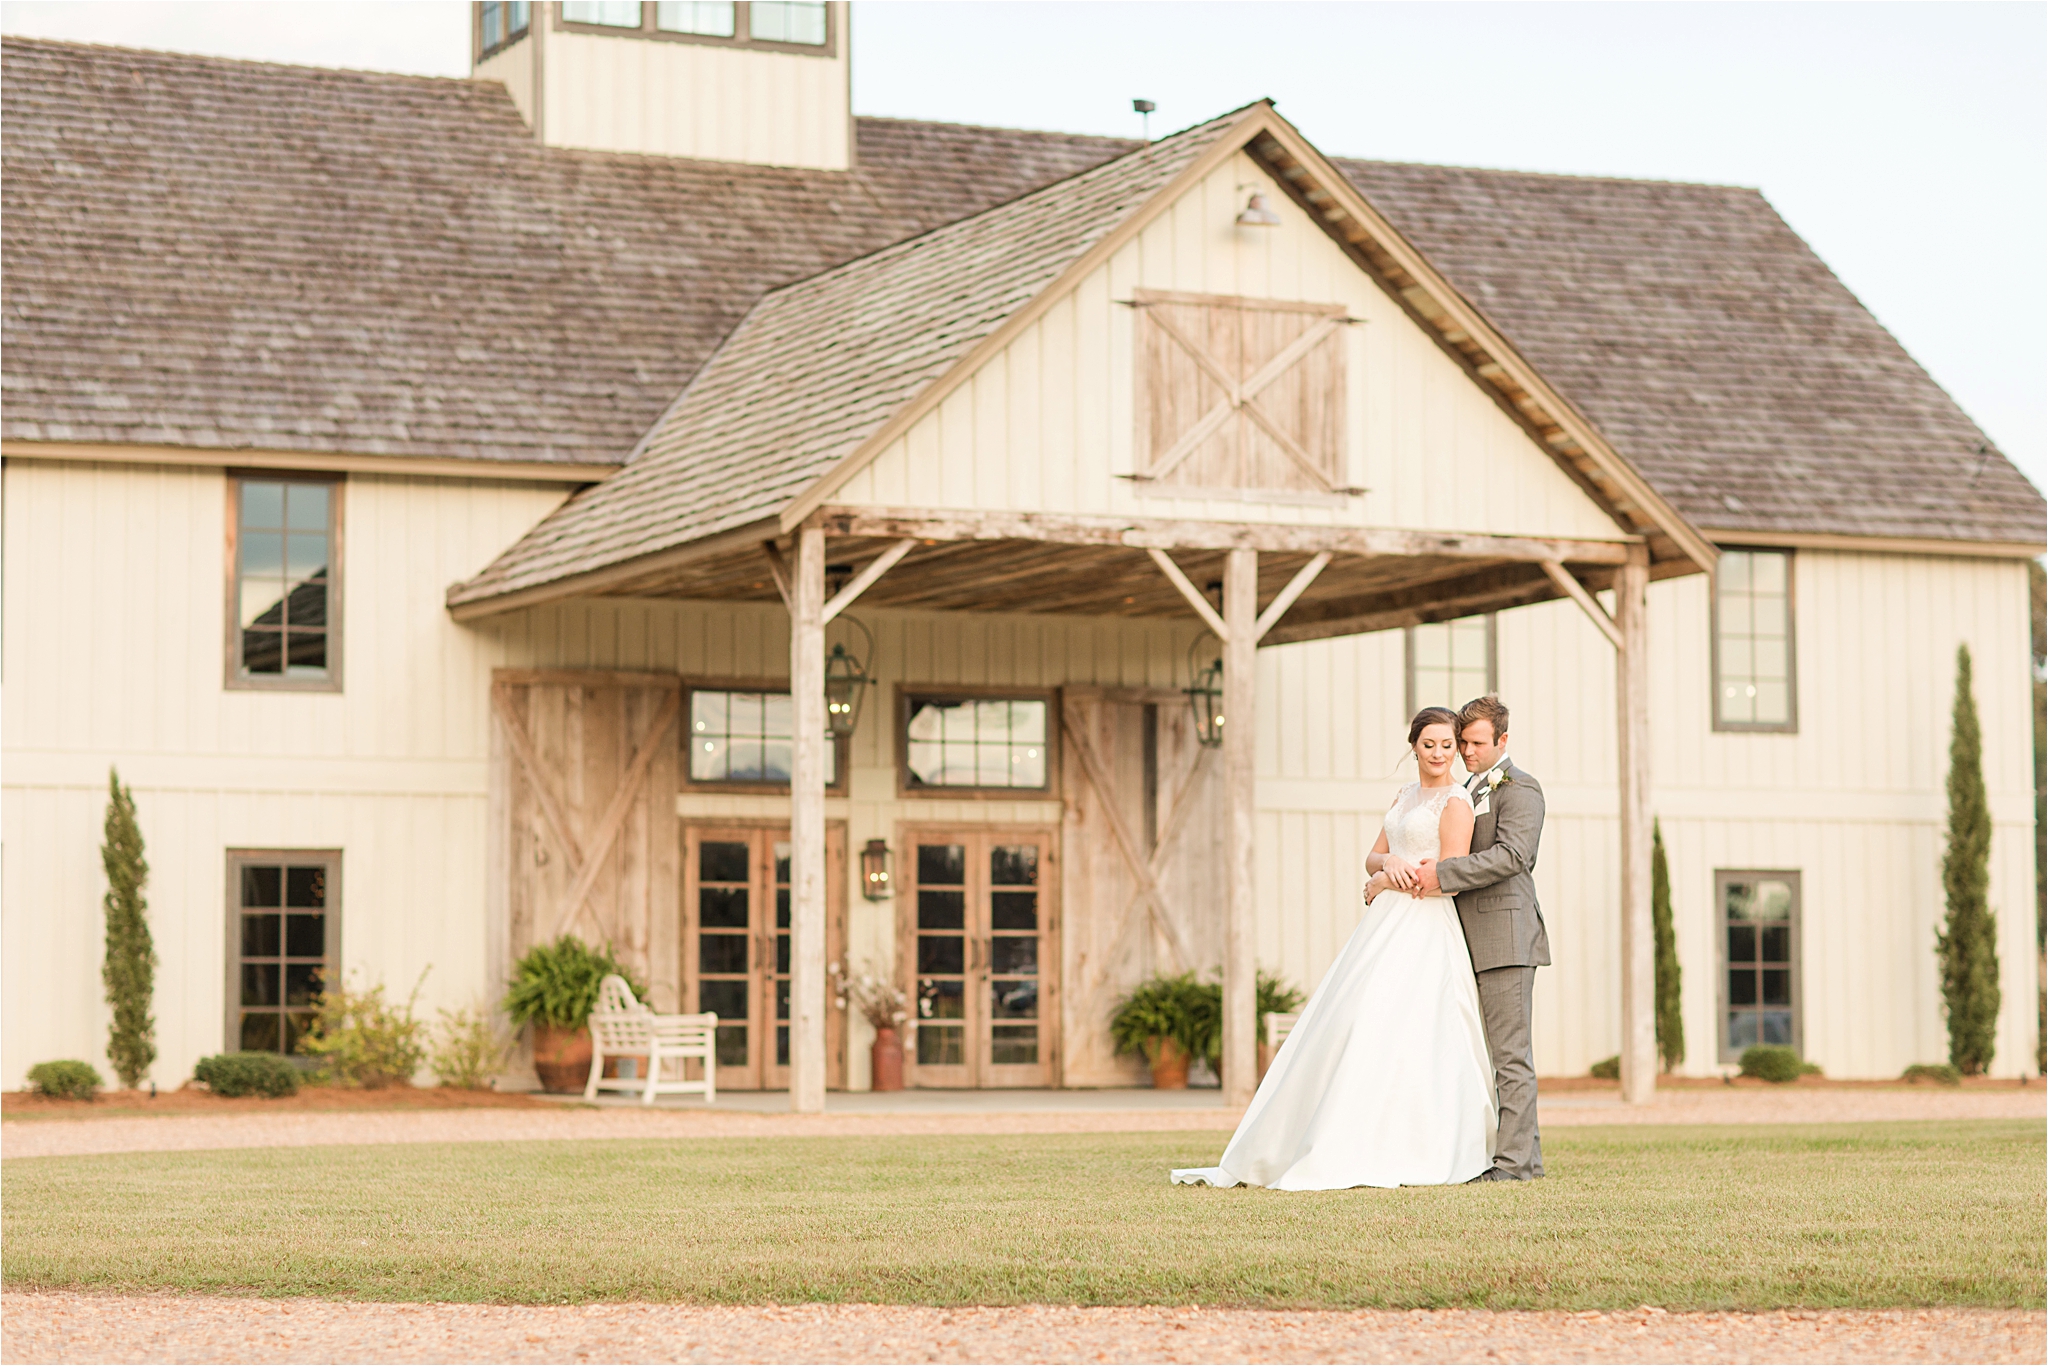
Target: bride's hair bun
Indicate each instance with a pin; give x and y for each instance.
(1432, 716)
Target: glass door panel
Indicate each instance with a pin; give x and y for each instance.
(736, 949)
(725, 952)
(975, 930)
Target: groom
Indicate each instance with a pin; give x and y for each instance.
(1503, 924)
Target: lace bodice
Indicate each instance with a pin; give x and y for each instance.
(1413, 819)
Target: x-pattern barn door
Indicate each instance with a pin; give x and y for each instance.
(1240, 393)
(588, 766)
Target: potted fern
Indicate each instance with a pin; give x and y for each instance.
(1166, 1020)
(554, 989)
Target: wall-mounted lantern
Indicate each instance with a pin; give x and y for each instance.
(846, 683)
(1257, 214)
(877, 874)
(1205, 696)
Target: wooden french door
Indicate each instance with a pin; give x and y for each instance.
(736, 949)
(977, 937)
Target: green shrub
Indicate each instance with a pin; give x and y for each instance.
(1967, 943)
(1772, 1062)
(1190, 1012)
(69, 1079)
(365, 1040)
(248, 1074)
(1670, 977)
(1944, 1073)
(556, 984)
(128, 970)
(1608, 1069)
(469, 1049)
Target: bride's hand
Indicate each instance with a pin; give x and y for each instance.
(1398, 871)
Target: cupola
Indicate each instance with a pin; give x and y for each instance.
(763, 81)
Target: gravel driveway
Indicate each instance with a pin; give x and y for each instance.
(71, 1137)
(67, 1328)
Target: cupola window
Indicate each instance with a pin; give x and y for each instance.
(705, 18)
(786, 21)
(499, 23)
(609, 13)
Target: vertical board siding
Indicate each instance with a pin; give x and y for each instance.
(1050, 420)
(394, 771)
(703, 101)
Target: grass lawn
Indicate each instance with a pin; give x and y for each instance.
(1738, 1218)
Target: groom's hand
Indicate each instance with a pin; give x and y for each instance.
(1425, 879)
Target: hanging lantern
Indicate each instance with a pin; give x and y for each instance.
(1205, 696)
(877, 881)
(846, 682)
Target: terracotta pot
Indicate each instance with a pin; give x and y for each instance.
(1169, 1066)
(1266, 1052)
(562, 1057)
(885, 1061)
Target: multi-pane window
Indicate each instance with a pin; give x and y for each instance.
(283, 936)
(786, 21)
(610, 13)
(284, 581)
(499, 23)
(1753, 679)
(1451, 662)
(707, 18)
(745, 738)
(1759, 915)
(984, 742)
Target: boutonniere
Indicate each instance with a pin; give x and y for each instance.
(1498, 778)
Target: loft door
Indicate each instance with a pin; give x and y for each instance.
(977, 941)
(736, 947)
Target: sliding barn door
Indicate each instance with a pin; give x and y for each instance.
(1144, 876)
(584, 778)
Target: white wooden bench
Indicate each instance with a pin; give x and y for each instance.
(624, 1027)
(1279, 1024)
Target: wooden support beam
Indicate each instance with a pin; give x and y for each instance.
(1638, 938)
(1576, 591)
(860, 582)
(807, 828)
(1190, 592)
(1240, 753)
(1169, 534)
(778, 569)
(1296, 586)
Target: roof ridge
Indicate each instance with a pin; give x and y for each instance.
(214, 59)
(1546, 175)
(1134, 143)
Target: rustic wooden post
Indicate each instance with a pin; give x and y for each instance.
(1638, 939)
(806, 832)
(1240, 754)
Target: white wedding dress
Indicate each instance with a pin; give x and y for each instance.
(1386, 1080)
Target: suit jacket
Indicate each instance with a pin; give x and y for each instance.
(1494, 884)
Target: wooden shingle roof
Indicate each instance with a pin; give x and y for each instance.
(818, 367)
(1715, 350)
(224, 254)
(231, 255)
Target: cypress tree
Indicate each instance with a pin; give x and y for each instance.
(1670, 1020)
(129, 971)
(1968, 943)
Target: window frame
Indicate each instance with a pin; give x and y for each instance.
(234, 678)
(1790, 725)
(1723, 1054)
(476, 34)
(1492, 655)
(906, 694)
(692, 686)
(239, 858)
(741, 30)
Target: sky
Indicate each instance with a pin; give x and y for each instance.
(1907, 142)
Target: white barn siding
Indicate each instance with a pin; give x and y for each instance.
(1048, 422)
(1855, 801)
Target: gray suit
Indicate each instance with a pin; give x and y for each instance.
(1496, 893)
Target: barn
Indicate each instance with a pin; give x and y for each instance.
(625, 493)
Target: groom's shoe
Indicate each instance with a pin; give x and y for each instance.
(1490, 1174)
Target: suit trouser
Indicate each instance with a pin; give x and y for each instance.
(1505, 996)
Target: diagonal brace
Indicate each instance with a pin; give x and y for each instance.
(1569, 582)
(1188, 590)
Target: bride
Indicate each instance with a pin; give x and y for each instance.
(1386, 1080)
